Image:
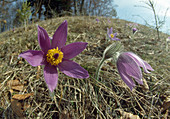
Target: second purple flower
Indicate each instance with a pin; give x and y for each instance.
(128, 65)
(112, 35)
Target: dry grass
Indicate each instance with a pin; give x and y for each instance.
(85, 98)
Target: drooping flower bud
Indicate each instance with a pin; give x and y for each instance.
(111, 50)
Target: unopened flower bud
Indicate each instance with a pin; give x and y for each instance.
(111, 50)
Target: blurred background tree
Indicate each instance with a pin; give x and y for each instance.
(24, 13)
(16, 11)
(4, 14)
(94, 8)
(50, 8)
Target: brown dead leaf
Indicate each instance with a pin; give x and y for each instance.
(166, 104)
(13, 83)
(17, 107)
(22, 96)
(126, 115)
(18, 87)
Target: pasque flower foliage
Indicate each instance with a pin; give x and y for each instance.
(128, 65)
(112, 35)
(55, 55)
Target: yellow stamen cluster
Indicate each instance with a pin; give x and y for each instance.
(50, 56)
(111, 35)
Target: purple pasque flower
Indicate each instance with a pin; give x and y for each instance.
(168, 39)
(97, 20)
(134, 30)
(128, 65)
(112, 35)
(108, 20)
(55, 55)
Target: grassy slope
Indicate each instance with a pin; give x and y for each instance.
(77, 98)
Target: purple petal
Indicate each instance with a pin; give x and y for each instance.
(43, 39)
(125, 77)
(140, 62)
(33, 57)
(72, 69)
(115, 34)
(130, 67)
(73, 49)
(51, 76)
(112, 38)
(60, 36)
(111, 30)
(148, 66)
(117, 39)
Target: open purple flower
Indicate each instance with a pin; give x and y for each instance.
(128, 65)
(56, 55)
(111, 35)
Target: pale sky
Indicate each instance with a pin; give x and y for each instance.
(126, 10)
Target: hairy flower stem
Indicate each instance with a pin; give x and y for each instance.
(51, 94)
(98, 68)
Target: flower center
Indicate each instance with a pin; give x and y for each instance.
(111, 35)
(54, 56)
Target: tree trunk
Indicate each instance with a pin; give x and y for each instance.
(81, 6)
(75, 7)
